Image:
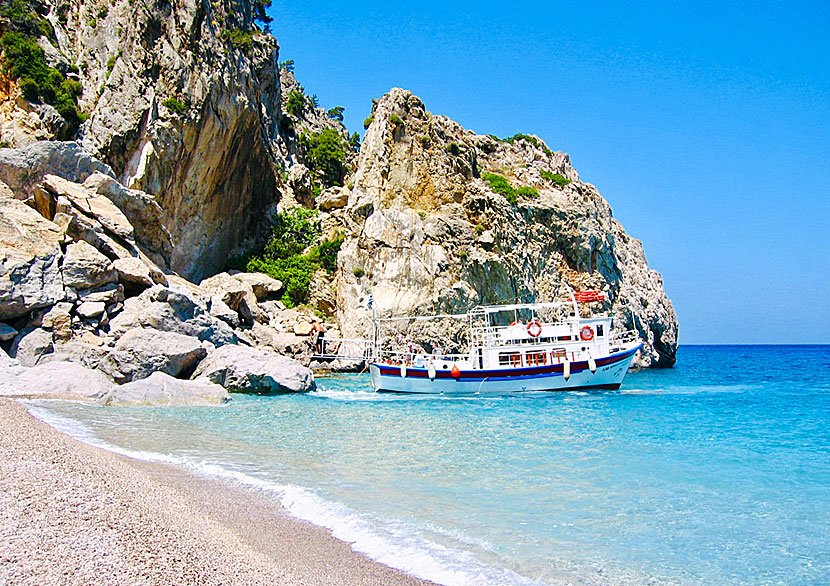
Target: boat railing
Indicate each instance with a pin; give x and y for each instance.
(416, 358)
(343, 349)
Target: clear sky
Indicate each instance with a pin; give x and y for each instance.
(706, 126)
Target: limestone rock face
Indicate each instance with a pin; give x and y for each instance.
(429, 235)
(30, 256)
(252, 370)
(161, 389)
(141, 352)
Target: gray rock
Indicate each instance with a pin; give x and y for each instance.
(56, 380)
(22, 169)
(261, 284)
(31, 345)
(109, 293)
(134, 272)
(7, 332)
(172, 309)
(91, 309)
(160, 389)
(90, 204)
(7, 362)
(252, 370)
(140, 352)
(59, 321)
(333, 198)
(84, 267)
(30, 255)
(221, 311)
(227, 288)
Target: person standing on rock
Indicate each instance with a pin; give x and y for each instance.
(318, 330)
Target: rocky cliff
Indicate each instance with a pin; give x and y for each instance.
(442, 219)
(188, 126)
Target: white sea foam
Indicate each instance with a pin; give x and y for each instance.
(390, 542)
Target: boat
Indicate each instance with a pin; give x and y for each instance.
(512, 348)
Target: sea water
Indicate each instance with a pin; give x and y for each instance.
(714, 472)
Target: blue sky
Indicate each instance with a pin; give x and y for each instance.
(705, 126)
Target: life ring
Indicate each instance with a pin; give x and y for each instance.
(534, 328)
(586, 333)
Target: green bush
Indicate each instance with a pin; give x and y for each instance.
(282, 258)
(479, 229)
(111, 64)
(239, 39)
(424, 141)
(454, 149)
(358, 272)
(325, 155)
(500, 184)
(556, 178)
(175, 106)
(25, 61)
(336, 113)
(527, 191)
(395, 120)
(103, 12)
(368, 121)
(288, 65)
(295, 104)
(528, 138)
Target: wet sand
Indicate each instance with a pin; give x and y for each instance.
(73, 514)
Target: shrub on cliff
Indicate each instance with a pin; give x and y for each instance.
(283, 257)
(500, 184)
(325, 154)
(556, 178)
(295, 104)
(25, 61)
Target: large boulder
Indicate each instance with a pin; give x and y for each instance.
(56, 380)
(172, 309)
(31, 345)
(252, 370)
(90, 204)
(229, 289)
(22, 169)
(160, 389)
(84, 267)
(141, 352)
(261, 284)
(30, 255)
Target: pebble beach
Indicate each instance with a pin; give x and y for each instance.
(72, 514)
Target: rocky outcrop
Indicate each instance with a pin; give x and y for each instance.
(172, 309)
(23, 168)
(249, 370)
(30, 256)
(163, 390)
(429, 235)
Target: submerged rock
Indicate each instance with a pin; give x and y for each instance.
(250, 370)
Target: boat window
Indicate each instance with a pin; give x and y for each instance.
(558, 355)
(510, 359)
(565, 338)
(536, 358)
(599, 330)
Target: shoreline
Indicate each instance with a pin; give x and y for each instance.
(72, 513)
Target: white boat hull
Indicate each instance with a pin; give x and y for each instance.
(609, 374)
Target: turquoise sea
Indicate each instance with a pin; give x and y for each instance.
(714, 472)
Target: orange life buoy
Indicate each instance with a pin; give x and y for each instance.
(534, 328)
(586, 333)
(455, 372)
